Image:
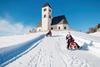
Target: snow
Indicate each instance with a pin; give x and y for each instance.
(93, 42)
(52, 52)
(96, 34)
(11, 52)
(7, 41)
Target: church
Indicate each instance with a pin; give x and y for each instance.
(48, 22)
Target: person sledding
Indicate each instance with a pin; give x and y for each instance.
(49, 33)
(71, 44)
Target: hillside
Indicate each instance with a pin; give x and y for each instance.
(52, 52)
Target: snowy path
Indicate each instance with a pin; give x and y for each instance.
(52, 52)
(11, 53)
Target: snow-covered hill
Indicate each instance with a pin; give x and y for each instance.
(96, 34)
(52, 52)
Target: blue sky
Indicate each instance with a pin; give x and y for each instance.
(81, 14)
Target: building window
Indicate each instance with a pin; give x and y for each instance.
(44, 16)
(64, 27)
(49, 16)
(45, 9)
(49, 10)
(51, 28)
(59, 28)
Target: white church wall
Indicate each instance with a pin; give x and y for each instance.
(54, 27)
(39, 29)
(62, 26)
(66, 25)
(46, 21)
(59, 27)
(98, 30)
(45, 25)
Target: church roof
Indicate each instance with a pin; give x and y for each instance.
(46, 4)
(57, 19)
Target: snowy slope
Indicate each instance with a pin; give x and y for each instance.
(52, 52)
(7, 41)
(11, 52)
(93, 42)
(96, 34)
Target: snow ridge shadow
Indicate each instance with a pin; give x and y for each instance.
(85, 46)
(9, 54)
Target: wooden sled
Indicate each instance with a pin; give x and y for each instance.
(73, 45)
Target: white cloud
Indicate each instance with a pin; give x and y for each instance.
(6, 27)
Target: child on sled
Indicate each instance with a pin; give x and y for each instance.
(71, 44)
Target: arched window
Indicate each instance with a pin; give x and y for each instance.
(49, 10)
(45, 9)
(44, 16)
(64, 27)
(59, 28)
(51, 28)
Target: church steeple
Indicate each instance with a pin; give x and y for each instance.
(46, 16)
(46, 4)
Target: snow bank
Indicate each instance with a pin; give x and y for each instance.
(85, 36)
(7, 41)
(95, 34)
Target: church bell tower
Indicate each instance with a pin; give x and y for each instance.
(46, 17)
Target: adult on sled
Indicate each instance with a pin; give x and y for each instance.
(49, 33)
(71, 44)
